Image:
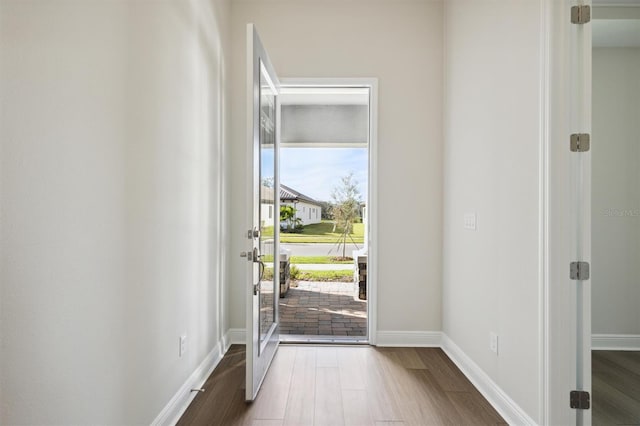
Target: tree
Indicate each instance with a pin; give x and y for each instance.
(268, 182)
(346, 208)
(326, 210)
(288, 216)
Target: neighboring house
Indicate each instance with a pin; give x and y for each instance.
(308, 210)
(266, 206)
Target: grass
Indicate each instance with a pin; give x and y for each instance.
(318, 233)
(303, 260)
(267, 231)
(298, 275)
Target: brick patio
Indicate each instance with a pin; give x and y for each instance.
(323, 309)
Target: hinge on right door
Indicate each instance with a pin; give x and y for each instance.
(579, 271)
(580, 400)
(580, 14)
(580, 142)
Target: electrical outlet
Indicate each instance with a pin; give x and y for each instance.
(470, 221)
(493, 343)
(183, 345)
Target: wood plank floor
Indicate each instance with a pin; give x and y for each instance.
(616, 387)
(343, 385)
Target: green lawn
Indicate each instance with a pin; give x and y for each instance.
(311, 260)
(317, 233)
(322, 233)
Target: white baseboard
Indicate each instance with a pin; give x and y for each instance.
(615, 342)
(181, 400)
(508, 409)
(409, 338)
(234, 336)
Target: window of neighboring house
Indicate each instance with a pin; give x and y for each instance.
(270, 212)
(309, 213)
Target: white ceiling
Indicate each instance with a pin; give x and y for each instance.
(616, 32)
(324, 96)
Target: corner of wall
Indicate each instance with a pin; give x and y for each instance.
(179, 403)
(498, 398)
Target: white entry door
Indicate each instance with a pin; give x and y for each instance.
(263, 289)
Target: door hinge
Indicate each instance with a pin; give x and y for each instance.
(580, 14)
(579, 271)
(579, 400)
(580, 142)
(255, 289)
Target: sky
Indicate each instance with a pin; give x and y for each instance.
(317, 171)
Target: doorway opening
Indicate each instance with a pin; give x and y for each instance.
(325, 193)
(615, 208)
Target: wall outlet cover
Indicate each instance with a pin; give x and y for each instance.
(183, 345)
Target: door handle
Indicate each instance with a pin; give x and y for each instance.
(256, 287)
(254, 256)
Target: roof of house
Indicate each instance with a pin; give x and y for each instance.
(291, 195)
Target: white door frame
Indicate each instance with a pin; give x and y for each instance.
(372, 196)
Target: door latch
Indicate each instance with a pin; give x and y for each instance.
(252, 256)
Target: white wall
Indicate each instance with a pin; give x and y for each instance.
(400, 43)
(112, 131)
(616, 193)
(267, 211)
(302, 212)
(492, 142)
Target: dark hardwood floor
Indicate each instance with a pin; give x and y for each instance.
(616, 387)
(344, 385)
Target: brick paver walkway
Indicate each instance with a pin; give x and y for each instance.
(323, 309)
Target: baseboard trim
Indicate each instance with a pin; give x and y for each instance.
(409, 338)
(507, 407)
(234, 336)
(615, 342)
(181, 400)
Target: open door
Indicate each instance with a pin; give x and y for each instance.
(263, 289)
